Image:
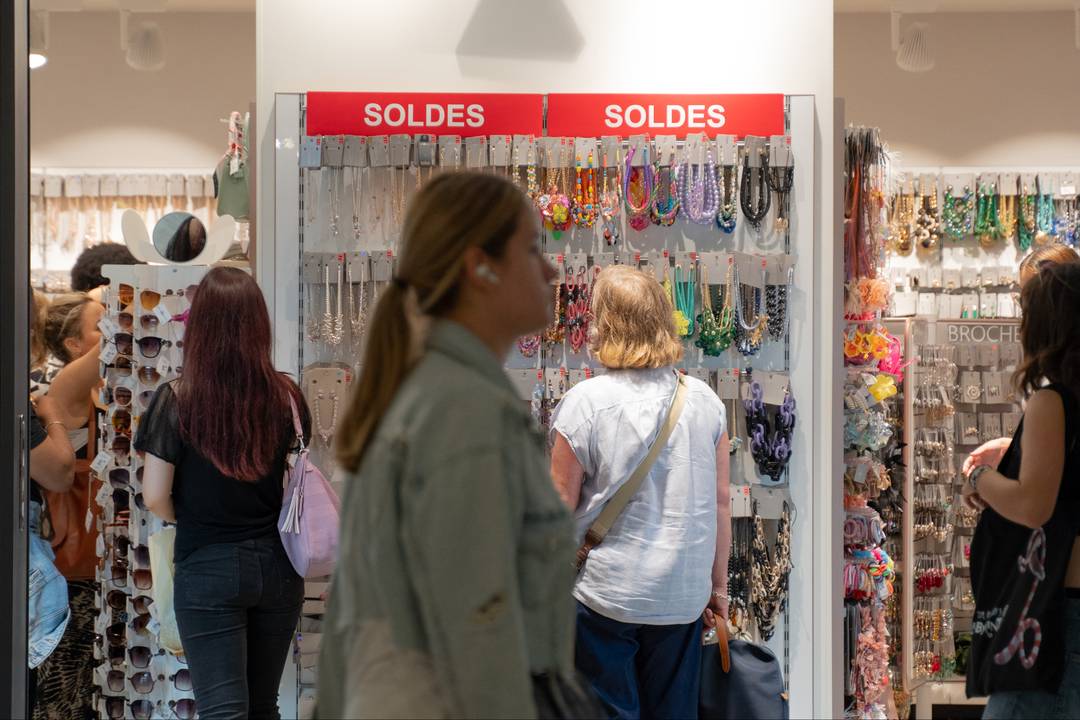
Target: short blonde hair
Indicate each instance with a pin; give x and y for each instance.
(633, 325)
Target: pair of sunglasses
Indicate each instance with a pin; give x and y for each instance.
(144, 681)
(120, 419)
(149, 346)
(148, 322)
(149, 299)
(118, 600)
(140, 709)
(123, 396)
(148, 375)
(120, 478)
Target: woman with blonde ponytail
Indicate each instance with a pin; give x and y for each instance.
(452, 592)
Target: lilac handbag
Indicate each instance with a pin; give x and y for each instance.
(309, 513)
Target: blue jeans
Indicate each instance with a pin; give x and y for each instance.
(640, 671)
(1065, 703)
(47, 595)
(237, 607)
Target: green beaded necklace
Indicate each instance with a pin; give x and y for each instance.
(1026, 222)
(710, 335)
(957, 213)
(685, 292)
(987, 223)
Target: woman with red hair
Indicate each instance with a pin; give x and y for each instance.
(216, 443)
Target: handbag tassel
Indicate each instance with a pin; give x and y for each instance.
(291, 524)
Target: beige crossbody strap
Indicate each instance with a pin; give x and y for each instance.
(600, 528)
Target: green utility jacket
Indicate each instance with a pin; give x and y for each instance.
(456, 553)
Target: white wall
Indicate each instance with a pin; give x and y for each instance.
(600, 45)
(1003, 92)
(89, 109)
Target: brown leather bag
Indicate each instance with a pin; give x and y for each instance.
(74, 545)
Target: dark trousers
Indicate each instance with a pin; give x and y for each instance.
(640, 671)
(237, 607)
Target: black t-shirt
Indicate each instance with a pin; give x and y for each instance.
(211, 507)
(1018, 578)
(37, 436)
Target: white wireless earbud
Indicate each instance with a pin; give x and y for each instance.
(487, 273)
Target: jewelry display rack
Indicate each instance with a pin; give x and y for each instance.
(142, 347)
(346, 220)
(961, 397)
(348, 223)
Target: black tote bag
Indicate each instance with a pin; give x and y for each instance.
(740, 680)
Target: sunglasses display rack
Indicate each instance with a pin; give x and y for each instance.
(142, 347)
(712, 218)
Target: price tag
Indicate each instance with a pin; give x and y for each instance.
(108, 326)
(101, 461)
(108, 353)
(163, 365)
(162, 314)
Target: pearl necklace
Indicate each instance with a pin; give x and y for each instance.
(609, 205)
(700, 194)
(325, 432)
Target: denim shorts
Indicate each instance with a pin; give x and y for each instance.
(47, 609)
(1065, 703)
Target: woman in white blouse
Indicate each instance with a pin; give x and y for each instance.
(644, 593)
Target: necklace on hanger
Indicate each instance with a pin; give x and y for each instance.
(1006, 217)
(638, 189)
(780, 180)
(1044, 215)
(727, 218)
(685, 296)
(335, 189)
(357, 310)
(776, 307)
(709, 336)
(326, 431)
(926, 218)
(665, 204)
(330, 329)
(556, 333)
(609, 203)
(555, 205)
(700, 192)
(769, 575)
(905, 242)
(957, 213)
(585, 207)
(987, 215)
(754, 196)
(357, 202)
(312, 325)
(1026, 218)
(735, 441)
(577, 309)
(770, 439)
(532, 187)
(749, 334)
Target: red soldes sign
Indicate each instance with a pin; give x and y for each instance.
(587, 115)
(388, 113)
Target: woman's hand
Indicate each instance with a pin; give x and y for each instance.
(989, 453)
(717, 608)
(971, 498)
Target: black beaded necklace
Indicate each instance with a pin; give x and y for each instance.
(780, 180)
(755, 179)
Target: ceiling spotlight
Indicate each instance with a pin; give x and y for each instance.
(914, 54)
(39, 39)
(913, 50)
(143, 43)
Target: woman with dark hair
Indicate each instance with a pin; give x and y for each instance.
(1025, 556)
(215, 444)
